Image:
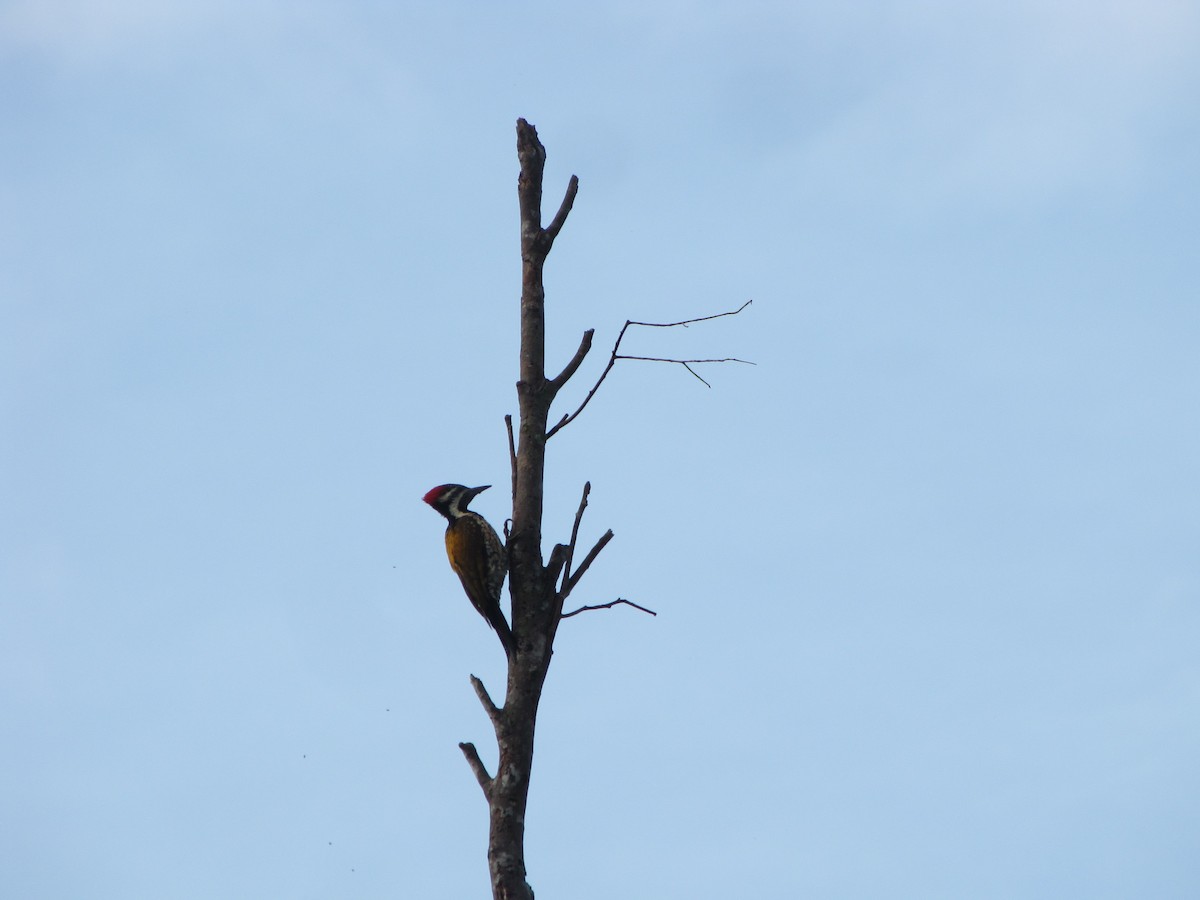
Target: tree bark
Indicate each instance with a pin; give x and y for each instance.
(531, 584)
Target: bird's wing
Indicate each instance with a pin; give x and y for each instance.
(467, 549)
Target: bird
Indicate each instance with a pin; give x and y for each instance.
(476, 554)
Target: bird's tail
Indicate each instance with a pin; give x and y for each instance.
(498, 622)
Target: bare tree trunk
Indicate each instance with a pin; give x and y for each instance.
(537, 592)
(531, 583)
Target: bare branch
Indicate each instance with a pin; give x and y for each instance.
(512, 454)
(569, 583)
(560, 218)
(568, 418)
(485, 699)
(584, 346)
(697, 374)
(587, 489)
(688, 363)
(619, 600)
(687, 322)
(477, 766)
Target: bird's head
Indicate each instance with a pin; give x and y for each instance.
(451, 499)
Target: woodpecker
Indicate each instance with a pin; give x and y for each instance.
(476, 553)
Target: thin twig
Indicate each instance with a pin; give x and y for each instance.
(587, 489)
(477, 766)
(512, 455)
(686, 322)
(688, 363)
(608, 606)
(568, 418)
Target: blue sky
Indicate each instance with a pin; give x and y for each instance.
(926, 576)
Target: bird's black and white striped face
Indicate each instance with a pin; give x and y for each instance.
(451, 499)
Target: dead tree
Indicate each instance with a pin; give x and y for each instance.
(538, 588)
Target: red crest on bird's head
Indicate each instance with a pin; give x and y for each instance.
(451, 499)
(436, 492)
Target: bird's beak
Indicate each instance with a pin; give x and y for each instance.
(475, 492)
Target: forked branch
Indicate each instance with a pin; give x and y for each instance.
(564, 555)
(567, 419)
(688, 363)
(570, 582)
